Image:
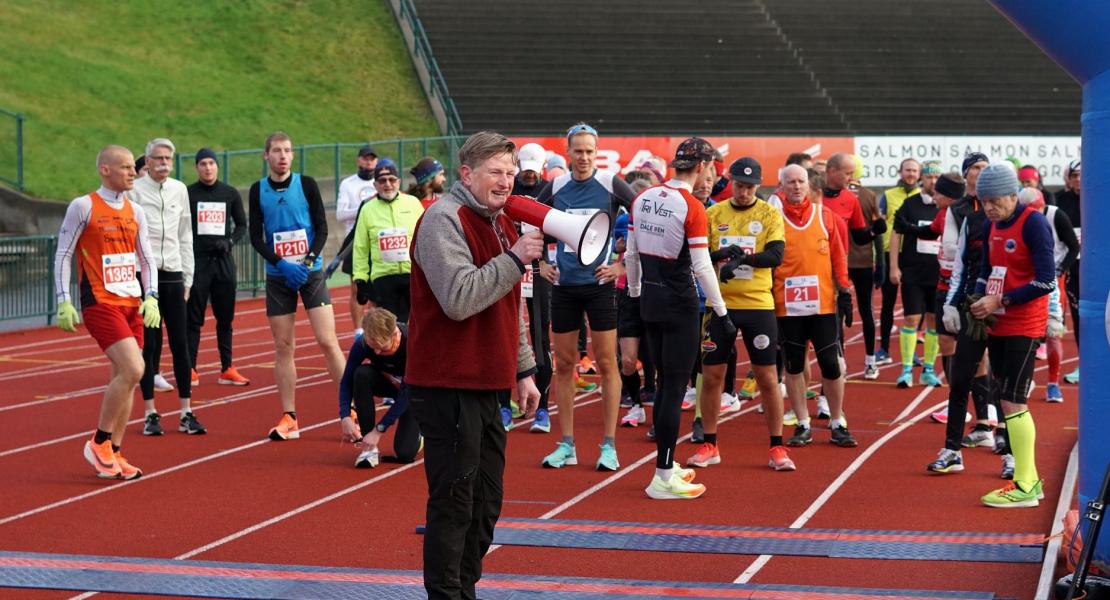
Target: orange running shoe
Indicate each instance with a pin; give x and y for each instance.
(780, 460)
(231, 376)
(102, 459)
(707, 455)
(194, 379)
(127, 470)
(586, 366)
(286, 429)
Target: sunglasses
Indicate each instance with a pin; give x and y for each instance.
(581, 128)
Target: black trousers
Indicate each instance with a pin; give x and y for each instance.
(464, 462)
(863, 279)
(392, 294)
(213, 278)
(886, 314)
(1071, 288)
(674, 351)
(370, 382)
(171, 304)
(539, 322)
(964, 364)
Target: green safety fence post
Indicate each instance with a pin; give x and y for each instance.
(336, 160)
(19, 151)
(52, 302)
(227, 168)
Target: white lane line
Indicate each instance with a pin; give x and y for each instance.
(225, 400)
(1056, 537)
(762, 560)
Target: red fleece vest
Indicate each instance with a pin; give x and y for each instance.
(477, 353)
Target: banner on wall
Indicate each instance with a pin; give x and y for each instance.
(882, 155)
(624, 154)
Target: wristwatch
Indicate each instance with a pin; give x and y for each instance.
(1005, 300)
(309, 260)
(380, 427)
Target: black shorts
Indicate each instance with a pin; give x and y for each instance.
(629, 323)
(759, 328)
(280, 300)
(918, 299)
(938, 310)
(795, 334)
(570, 302)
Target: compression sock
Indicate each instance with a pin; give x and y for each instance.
(932, 345)
(1023, 438)
(101, 436)
(1055, 352)
(697, 403)
(907, 343)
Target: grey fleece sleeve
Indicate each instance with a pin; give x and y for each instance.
(462, 289)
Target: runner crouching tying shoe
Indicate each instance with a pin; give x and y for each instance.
(747, 233)
(108, 234)
(666, 239)
(376, 367)
(1014, 281)
(811, 285)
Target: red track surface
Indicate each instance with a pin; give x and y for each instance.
(232, 496)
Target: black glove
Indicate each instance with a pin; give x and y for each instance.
(726, 253)
(728, 270)
(878, 227)
(844, 306)
(721, 331)
(880, 274)
(976, 327)
(364, 293)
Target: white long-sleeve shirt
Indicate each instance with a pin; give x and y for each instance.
(77, 217)
(353, 191)
(169, 223)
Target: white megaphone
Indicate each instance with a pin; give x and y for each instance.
(586, 235)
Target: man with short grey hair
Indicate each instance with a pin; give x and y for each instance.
(165, 202)
(467, 263)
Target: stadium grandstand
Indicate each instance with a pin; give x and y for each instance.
(748, 66)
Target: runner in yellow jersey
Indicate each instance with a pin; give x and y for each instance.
(747, 241)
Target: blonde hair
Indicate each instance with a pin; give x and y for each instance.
(378, 324)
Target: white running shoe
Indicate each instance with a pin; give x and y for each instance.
(368, 459)
(870, 372)
(689, 399)
(789, 419)
(674, 489)
(823, 408)
(161, 385)
(730, 404)
(634, 417)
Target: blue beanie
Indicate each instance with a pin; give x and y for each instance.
(620, 226)
(996, 180)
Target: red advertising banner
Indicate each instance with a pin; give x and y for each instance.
(624, 154)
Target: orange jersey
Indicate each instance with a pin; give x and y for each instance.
(108, 256)
(813, 267)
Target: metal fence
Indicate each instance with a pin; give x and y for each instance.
(327, 163)
(27, 276)
(11, 148)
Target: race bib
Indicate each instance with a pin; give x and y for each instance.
(393, 244)
(995, 286)
(747, 244)
(927, 246)
(291, 245)
(803, 296)
(577, 211)
(526, 282)
(211, 218)
(118, 273)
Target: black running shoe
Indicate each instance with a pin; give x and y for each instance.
(698, 436)
(190, 425)
(841, 437)
(802, 435)
(152, 426)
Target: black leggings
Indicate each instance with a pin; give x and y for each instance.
(541, 291)
(1012, 360)
(886, 314)
(795, 333)
(392, 294)
(368, 382)
(215, 277)
(171, 304)
(674, 349)
(863, 280)
(964, 365)
(1071, 288)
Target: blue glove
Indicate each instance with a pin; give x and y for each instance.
(296, 274)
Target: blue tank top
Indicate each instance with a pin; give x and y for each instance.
(581, 197)
(285, 215)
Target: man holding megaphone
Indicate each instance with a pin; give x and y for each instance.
(467, 263)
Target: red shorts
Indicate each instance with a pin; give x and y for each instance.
(108, 323)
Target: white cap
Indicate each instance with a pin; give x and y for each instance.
(532, 157)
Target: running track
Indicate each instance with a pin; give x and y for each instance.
(232, 496)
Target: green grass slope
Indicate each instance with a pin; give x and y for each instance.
(206, 73)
